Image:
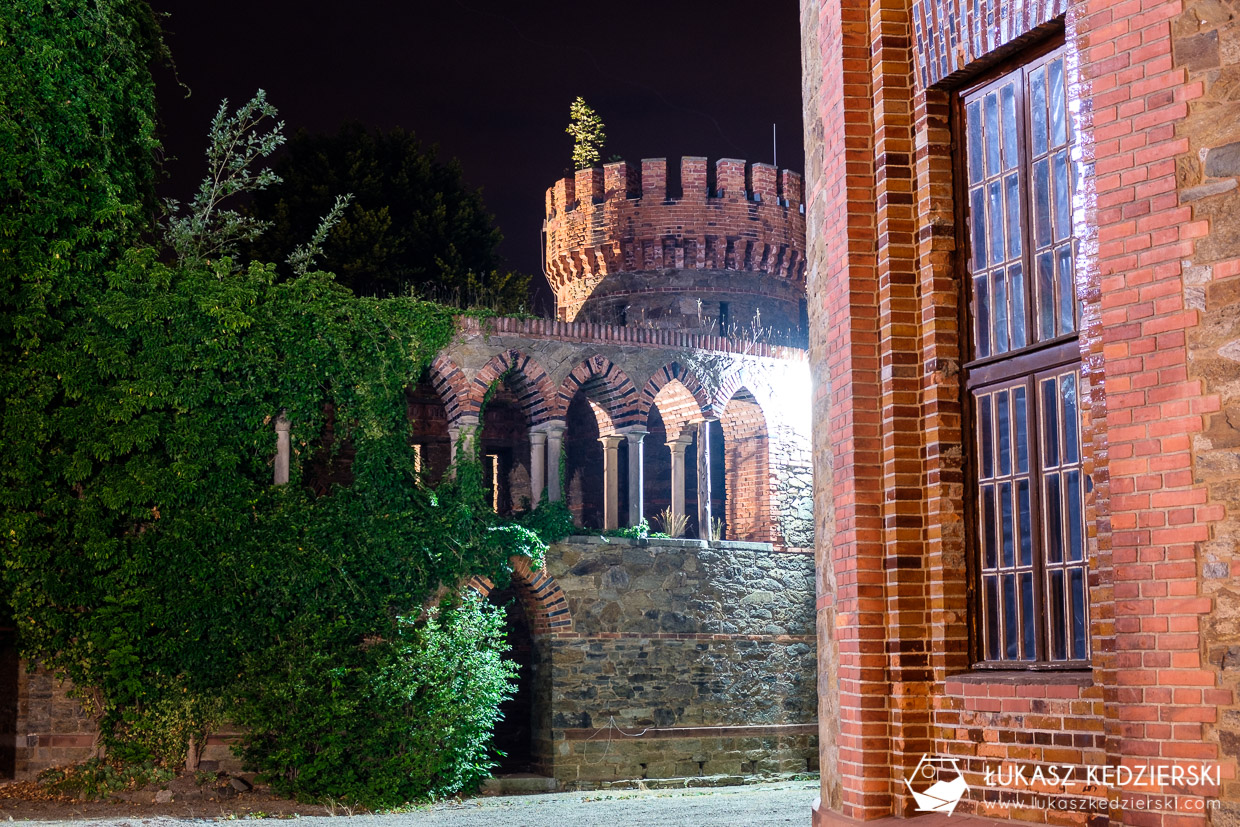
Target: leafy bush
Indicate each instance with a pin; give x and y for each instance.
(146, 555)
(97, 778)
(551, 521)
(393, 720)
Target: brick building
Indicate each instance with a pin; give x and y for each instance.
(1024, 276)
(671, 387)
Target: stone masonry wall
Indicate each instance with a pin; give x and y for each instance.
(684, 659)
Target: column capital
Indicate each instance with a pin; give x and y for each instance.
(282, 423)
(611, 440)
(463, 421)
(684, 440)
(635, 433)
(538, 437)
(549, 426)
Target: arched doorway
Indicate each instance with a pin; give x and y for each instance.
(505, 449)
(428, 430)
(515, 742)
(746, 469)
(672, 425)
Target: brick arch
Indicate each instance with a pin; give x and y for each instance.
(664, 375)
(746, 468)
(540, 593)
(607, 387)
(534, 389)
(449, 381)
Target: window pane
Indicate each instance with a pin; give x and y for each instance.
(987, 438)
(1016, 283)
(1059, 130)
(1071, 451)
(981, 317)
(995, 222)
(987, 540)
(1042, 203)
(1005, 522)
(1011, 186)
(1026, 614)
(1072, 494)
(978, 218)
(1024, 524)
(1010, 639)
(1056, 617)
(1011, 157)
(973, 120)
(1063, 196)
(1046, 296)
(1000, 312)
(1050, 424)
(1001, 425)
(992, 618)
(1054, 522)
(1037, 109)
(992, 134)
(1067, 293)
(1022, 430)
(1077, 593)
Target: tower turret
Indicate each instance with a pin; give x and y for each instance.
(720, 249)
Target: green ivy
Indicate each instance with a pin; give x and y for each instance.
(147, 556)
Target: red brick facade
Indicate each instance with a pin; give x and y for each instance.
(1152, 94)
(626, 246)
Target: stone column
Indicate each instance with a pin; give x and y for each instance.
(637, 473)
(283, 450)
(538, 466)
(705, 531)
(677, 447)
(611, 480)
(462, 434)
(555, 446)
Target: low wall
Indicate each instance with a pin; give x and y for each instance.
(684, 659)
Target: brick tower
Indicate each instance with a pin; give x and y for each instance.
(722, 250)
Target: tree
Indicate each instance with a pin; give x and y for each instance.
(586, 127)
(414, 225)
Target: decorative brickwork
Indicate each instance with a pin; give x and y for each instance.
(622, 247)
(606, 385)
(542, 597)
(535, 391)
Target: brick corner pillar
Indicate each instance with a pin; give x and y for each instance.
(283, 450)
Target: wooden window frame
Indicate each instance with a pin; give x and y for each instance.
(1025, 366)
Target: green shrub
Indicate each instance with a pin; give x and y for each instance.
(392, 721)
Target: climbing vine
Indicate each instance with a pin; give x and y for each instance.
(147, 556)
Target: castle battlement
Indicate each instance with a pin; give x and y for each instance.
(629, 220)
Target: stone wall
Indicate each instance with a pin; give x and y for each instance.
(684, 659)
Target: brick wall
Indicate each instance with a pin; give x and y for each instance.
(624, 247)
(1156, 212)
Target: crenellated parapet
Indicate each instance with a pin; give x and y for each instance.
(630, 244)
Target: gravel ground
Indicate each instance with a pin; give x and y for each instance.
(758, 805)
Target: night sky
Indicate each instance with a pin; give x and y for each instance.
(490, 83)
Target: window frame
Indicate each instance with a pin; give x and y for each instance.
(1024, 366)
